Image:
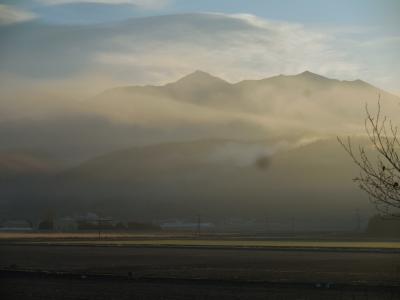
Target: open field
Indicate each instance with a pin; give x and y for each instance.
(315, 245)
(185, 267)
(28, 287)
(166, 239)
(209, 263)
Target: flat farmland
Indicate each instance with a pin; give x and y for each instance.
(192, 240)
(208, 263)
(185, 267)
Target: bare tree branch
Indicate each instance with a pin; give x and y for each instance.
(379, 176)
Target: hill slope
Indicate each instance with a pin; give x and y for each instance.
(216, 178)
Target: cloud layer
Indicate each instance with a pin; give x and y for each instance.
(154, 50)
(10, 15)
(146, 4)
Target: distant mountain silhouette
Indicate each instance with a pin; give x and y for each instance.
(201, 106)
(304, 98)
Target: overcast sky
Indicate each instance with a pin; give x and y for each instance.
(345, 39)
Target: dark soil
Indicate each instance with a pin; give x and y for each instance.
(182, 273)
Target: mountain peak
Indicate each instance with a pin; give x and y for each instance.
(200, 77)
(309, 74)
(200, 73)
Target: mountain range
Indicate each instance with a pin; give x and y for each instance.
(307, 102)
(200, 145)
(197, 106)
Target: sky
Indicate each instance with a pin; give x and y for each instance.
(236, 40)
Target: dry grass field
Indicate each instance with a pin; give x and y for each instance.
(171, 266)
(182, 239)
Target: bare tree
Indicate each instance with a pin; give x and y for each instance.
(379, 169)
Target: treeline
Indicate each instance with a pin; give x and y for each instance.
(89, 225)
(118, 226)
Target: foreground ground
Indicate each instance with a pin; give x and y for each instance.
(44, 269)
(27, 287)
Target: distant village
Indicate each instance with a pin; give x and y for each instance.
(88, 221)
(374, 226)
(92, 221)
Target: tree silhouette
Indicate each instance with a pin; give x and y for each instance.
(380, 171)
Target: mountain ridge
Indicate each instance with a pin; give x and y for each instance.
(200, 74)
(288, 96)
